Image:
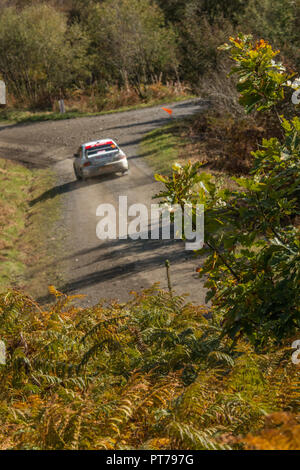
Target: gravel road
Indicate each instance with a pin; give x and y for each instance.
(105, 269)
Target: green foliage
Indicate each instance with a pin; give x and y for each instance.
(90, 46)
(198, 42)
(39, 55)
(261, 80)
(231, 9)
(130, 41)
(184, 186)
(152, 374)
(275, 20)
(251, 233)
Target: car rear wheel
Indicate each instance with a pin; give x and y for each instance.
(78, 176)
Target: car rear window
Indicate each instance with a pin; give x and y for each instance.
(100, 148)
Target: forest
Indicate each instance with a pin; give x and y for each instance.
(104, 54)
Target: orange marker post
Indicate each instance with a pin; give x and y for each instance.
(169, 111)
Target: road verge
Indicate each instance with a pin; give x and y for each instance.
(25, 227)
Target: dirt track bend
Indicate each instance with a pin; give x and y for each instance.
(105, 269)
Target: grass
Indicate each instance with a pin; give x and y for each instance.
(182, 141)
(163, 147)
(24, 229)
(15, 116)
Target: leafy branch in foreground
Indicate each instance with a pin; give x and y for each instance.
(252, 236)
(262, 82)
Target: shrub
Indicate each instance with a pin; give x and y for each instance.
(131, 44)
(251, 234)
(39, 56)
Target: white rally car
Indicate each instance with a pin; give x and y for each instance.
(99, 157)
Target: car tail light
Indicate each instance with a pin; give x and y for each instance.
(87, 164)
(119, 156)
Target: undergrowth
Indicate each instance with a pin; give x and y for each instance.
(83, 105)
(154, 373)
(222, 142)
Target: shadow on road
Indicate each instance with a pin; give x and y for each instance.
(71, 186)
(127, 257)
(155, 122)
(191, 104)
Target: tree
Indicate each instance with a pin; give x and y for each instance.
(252, 236)
(40, 57)
(175, 9)
(130, 42)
